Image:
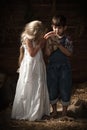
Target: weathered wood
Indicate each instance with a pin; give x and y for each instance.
(14, 15)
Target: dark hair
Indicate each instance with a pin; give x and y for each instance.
(59, 20)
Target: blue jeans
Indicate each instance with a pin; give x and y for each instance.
(59, 81)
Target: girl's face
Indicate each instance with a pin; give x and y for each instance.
(58, 30)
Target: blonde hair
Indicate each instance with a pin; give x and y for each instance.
(32, 31)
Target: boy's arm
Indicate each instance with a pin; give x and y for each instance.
(65, 50)
(68, 48)
(48, 50)
(49, 34)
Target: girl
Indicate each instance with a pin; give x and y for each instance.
(31, 100)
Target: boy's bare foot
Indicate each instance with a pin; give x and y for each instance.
(64, 113)
(53, 114)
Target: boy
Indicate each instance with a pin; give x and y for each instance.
(59, 75)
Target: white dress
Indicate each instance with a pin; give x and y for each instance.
(31, 100)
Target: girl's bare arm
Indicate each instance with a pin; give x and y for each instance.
(32, 50)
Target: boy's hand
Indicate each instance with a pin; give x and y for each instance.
(49, 34)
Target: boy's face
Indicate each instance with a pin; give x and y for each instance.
(59, 29)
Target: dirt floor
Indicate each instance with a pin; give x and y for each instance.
(76, 119)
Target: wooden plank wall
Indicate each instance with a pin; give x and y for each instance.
(14, 15)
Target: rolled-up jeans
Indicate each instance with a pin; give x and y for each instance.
(59, 81)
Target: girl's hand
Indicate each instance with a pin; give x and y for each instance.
(31, 49)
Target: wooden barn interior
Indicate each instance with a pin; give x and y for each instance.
(15, 14)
